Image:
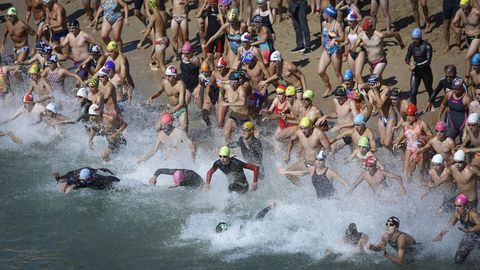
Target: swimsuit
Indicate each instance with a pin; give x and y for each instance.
(111, 11)
(22, 49)
(239, 118)
(469, 242)
(330, 43)
(163, 42)
(55, 80)
(56, 36)
(189, 75)
(234, 173)
(352, 38)
(213, 25)
(235, 41)
(374, 63)
(471, 38)
(323, 186)
(179, 18)
(256, 99)
(266, 48)
(39, 21)
(456, 116)
(282, 123)
(413, 141)
(179, 112)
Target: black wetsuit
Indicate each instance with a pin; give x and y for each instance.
(189, 75)
(234, 172)
(213, 25)
(323, 186)
(97, 181)
(263, 212)
(422, 55)
(469, 242)
(444, 84)
(192, 179)
(253, 153)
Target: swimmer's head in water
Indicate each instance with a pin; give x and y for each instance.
(224, 154)
(34, 69)
(84, 174)
(261, 2)
(166, 119)
(178, 177)
(27, 98)
(221, 227)
(51, 108)
(351, 231)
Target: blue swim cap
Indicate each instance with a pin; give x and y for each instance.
(330, 11)
(359, 119)
(416, 33)
(110, 64)
(84, 174)
(475, 59)
(347, 75)
(247, 57)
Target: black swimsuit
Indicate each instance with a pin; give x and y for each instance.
(323, 186)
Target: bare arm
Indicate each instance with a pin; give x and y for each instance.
(152, 151)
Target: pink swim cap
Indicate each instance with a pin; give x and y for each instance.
(187, 47)
(440, 126)
(178, 177)
(461, 199)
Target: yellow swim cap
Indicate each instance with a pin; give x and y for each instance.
(248, 125)
(93, 81)
(305, 122)
(152, 3)
(34, 69)
(224, 151)
(112, 46)
(464, 2)
(291, 91)
(280, 89)
(232, 15)
(12, 11)
(308, 94)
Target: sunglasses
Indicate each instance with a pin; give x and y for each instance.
(458, 206)
(477, 94)
(247, 130)
(472, 125)
(223, 156)
(280, 94)
(290, 96)
(437, 164)
(458, 161)
(170, 76)
(388, 224)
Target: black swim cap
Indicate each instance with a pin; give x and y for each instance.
(73, 23)
(451, 68)
(340, 91)
(394, 220)
(234, 76)
(395, 92)
(351, 230)
(221, 227)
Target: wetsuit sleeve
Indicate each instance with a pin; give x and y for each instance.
(165, 171)
(409, 54)
(264, 211)
(210, 172)
(436, 91)
(257, 148)
(429, 54)
(254, 168)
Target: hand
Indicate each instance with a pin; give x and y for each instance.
(262, 84)
(462, 229)
(207, 187)
(286, 159)
(152, 181)
(126, 21)
(282, 171)
(402, 46)
(254, 186)
(438, 238)
(371, 246)
(56, 175)
(321, 120)
(149, 101)
(2, 49)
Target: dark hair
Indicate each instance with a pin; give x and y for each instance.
(451, 68)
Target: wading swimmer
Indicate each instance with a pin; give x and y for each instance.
(181, 177)
(403, 243)
(441, 178)
(85, 178)
(233, 169)
(223, 226)
(251, 147)
(354, 237)
(465, 176)
(470, 220)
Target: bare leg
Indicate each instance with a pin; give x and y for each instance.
(359, 64)
(105, 32)
(337, 66)
(379, 68)
(284, 134)
(175, 31)
(374, 10)
(416, 14)
(472, 49)
(446, 34)
(221, 113)
(198, 95)
(322, 68)
(386, 12)
(297, 166)
(227, 130)
(428, 25)
(183, 121)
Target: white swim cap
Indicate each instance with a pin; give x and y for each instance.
(171, 71)
(52, 107)
(82, 92)
(94, 110)
(276, 56)
(459, 155)
(84, 174)
(322, 155)
(472, 118)
(437, 159)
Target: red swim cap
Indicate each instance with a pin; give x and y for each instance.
(369, 161)
(166, 119)
(411, 110)
(367, 24)
(27, 98)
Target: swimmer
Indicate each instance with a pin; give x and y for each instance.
(233, 170)
(455, 105)
(441, 144)
(30, 108)
(169, 136)
(51, 116)
(113, 20)
(223, 226)
(441, 178)
(10, 135)
(403, 243)
(257, 72)
(471, 139)
(345, 110)
(235, 99)
(352, 135)
(465, 176)
(85, 178)
(36, 9)
(354, 237)
(38, 85)
(362, 152)
(251, 147)
(376, 177)
(470, 220)
(181, 177)
(122, 80)
(445, 84)
(56, 22)
(83, 116)
(19, 32)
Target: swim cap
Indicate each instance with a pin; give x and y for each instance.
(232, 15)
(347, 75)
(457, 83)
(40, 45)
(224, 151)
(94, 49)
(373, 79)
(261, 2)
(73, 23)
(370, 161)
(52, 59)
(104, 71)
(351, 231)
(437, 159)
(47, 49)
(257, 19)
(340, 91)
(212, 2)
(221, 62)
(247, 57)
(94, 110)
(359, 119)
(234, 76)
(367, 24)
(12, 12)
(46, 2)
(178, 177)
(152, 4)
(248, 125)
(464, 2)
(363, 142)
(475, 59)
(27, 98)
(187, 47)
(459, 155)
(276, 56)
(82, 92)
(394, 220)
(84, 174)
(246, 37)
(308, 94)
(305, 122)
(291, 91)
(395, 92)
(461, 199)
(225, 2)
(440, 126)
(34, 69)
(416, 33)
(472, 118)
(171, 71)
(166, 119)
(411, 110)
(204, 67)
(221, 227)
(93, 81)
(112, 46)
(110, 64)
(52, 107)
(352, 16)
(280, 89)
(322, 155)
(330, 11)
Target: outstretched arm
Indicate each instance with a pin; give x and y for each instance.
(209, 177)
(256, 170)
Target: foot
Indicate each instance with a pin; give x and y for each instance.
(428, 27)
(297, 49)
(307, 50)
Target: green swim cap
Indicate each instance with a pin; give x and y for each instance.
(363, 141)
(308, 94)
(12, 11)
(224, 151)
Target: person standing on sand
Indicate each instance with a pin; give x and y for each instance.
(298, 11)
(18, 31)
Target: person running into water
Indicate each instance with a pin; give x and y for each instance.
(470, 220)
(403, 243)
(455, 103)
(224, 226)
(441, 178)
(85, 178)
(233, 170)
(354, 237)
(465, 176)
(19, 32)
(181, 177)
(251, 147)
